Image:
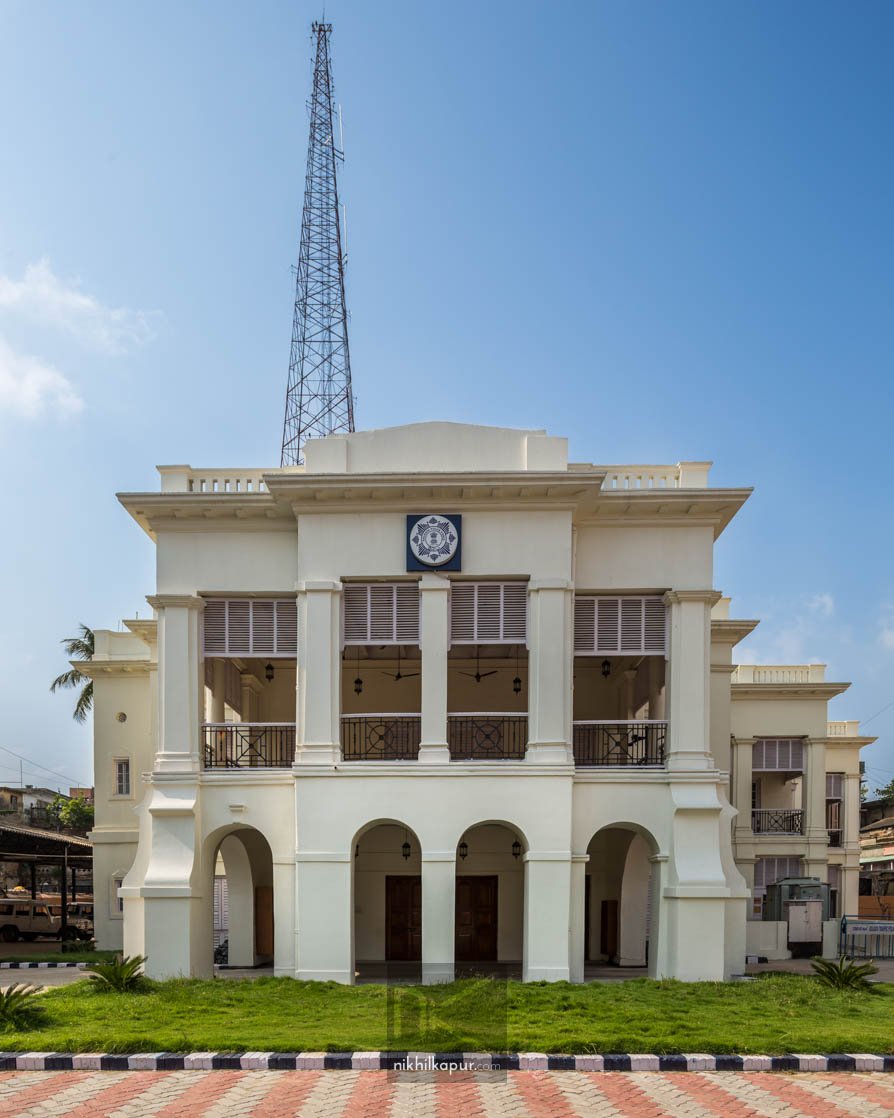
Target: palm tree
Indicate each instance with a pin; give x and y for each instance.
(78, 648)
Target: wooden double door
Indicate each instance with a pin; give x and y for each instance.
(475, 918)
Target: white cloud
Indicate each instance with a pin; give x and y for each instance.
(823, 604)
(40, 296)
(29, 388)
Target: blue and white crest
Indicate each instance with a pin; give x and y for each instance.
(433, 541)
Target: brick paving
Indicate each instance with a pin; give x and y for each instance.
(376, 1094)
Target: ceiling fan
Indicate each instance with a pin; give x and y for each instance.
(398, 674)
(478, 674)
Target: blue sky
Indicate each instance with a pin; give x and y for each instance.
(662, 229)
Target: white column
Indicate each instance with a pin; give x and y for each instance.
(318, 736)
(689, 678)
(180, 688)
(325, 917)
(576, 921)
(743, 754)
(438, 915)
(546, 934)
(241, 902)
(551, 652)
(814, 804)
(435, 640)
(218, 688)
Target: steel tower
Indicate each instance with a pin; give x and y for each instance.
(319, 398)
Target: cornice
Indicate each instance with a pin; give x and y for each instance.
(95, 668)
(709, 597)
(787, 690)
(175, 601)
(731, 631)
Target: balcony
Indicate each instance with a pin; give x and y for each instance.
(777, 821)
(487, 736)
(612, 744)
(835, 838)
(248, 745)
(381, 737)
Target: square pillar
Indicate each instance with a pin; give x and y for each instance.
(547, 905)
(438, 916)
(550, 656)
(284, 918)
(577, 949)
(325, 910)
(743, 775)
(434, 628)
(814, 804)
(318, 736)
(689, 679)
(180, 686)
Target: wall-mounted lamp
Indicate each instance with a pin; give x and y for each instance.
(606, 668)
(405, 849)
(268, 672)
(516, 849)
(516, 683)
(464, 850)
(358, 682)
(357, 851)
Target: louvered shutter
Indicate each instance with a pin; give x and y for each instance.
(778, 755)
(381, 613)
(251, 627)
(834, 786)
(584, 624)
(633, 624)
(489, 612)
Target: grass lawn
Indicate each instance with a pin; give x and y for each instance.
(775, 1014)
(62, 957)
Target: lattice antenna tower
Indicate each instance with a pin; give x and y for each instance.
(319, 399)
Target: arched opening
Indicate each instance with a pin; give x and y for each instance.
(387, 903)
(620, 901)
(490, 901)
(242, 934)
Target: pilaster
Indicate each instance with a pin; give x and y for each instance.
(180, 689)
(434, 592)
(318, 737)
(689, 678)
(550, 656)
(438, 915)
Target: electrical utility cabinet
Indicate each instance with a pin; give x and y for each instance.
(803, 904)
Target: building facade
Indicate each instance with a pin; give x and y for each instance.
(439, 698)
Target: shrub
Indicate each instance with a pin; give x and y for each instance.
(16, 1008)
(122, 975)
(844, 973)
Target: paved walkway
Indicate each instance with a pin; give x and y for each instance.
(532, 1094)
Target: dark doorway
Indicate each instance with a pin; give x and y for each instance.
(476, 919)
(587, 951)
(608, 931)
(403, 918)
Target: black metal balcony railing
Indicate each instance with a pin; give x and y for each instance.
(776, 821)
(381, 737)
(248, 745)
(619, 743)
(487, 737)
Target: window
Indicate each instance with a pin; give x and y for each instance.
(488, 612)
(755, 795)
(632, 624)
(5, 910)
(778, 755)
(834, 877)
(251, 627)
(766, 872)
(122, 776)
(23, 910)
(117, 905)
(381, 613)
(13, 801)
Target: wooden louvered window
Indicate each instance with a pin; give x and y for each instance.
(488, 612)
(251, 627)
(634, 625)
(381, 613)
(778, 755)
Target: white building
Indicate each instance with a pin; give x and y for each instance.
(441, 697)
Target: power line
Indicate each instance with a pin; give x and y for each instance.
(70, 780)
(877, 713)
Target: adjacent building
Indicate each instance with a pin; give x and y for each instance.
(440, 699)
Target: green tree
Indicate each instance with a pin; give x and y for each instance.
(886, 792)
(76, 814)
(78, 648)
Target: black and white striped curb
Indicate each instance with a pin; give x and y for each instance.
(434, 1061)
(38, 966)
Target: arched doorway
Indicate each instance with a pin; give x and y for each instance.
(242, 915)
(490, 900)
(620, 902)
(387, 903)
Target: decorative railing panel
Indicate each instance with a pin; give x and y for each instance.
(381, 737)
(776, 821)
(619, 743)
(487, 737)
(248, 745)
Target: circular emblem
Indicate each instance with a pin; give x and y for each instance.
(433, 540)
